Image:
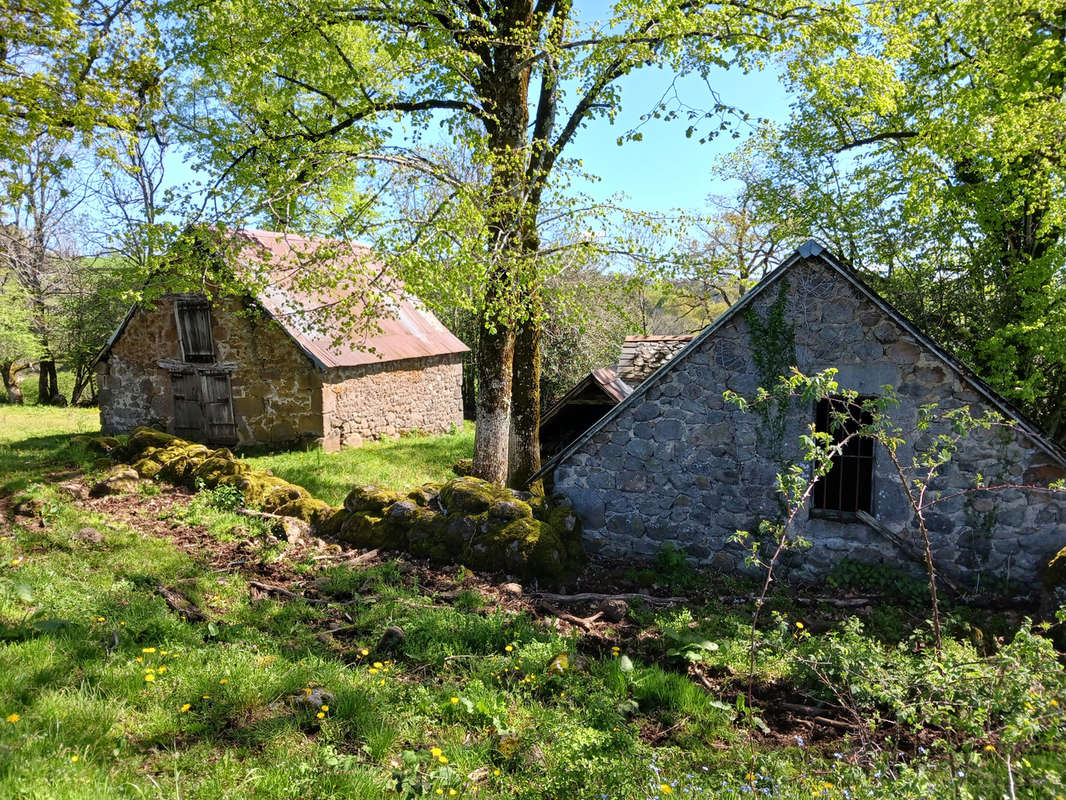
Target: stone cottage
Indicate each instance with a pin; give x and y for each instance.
(674, 463)
(271, 367)
(591, 398)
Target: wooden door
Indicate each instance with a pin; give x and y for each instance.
(203, 409)
(217, 406)
(188, 413)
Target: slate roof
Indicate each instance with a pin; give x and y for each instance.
(642, 355)
(402, 326)
(807, 250)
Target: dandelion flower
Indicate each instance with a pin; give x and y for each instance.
(454, 700)
(435, 751)
(325, 708)
(163, 668)
(224, 680)
(206, 697)
(140, 659)
(16, 562)
(378, 665)
(440, 791)
(321, 715)
(990, 748)
(452, 793)
(442, 759)
(799, 625)
(74, 758)
(665, 788)
(1053, 702)
(364, 652)
(186, 707)
(496, 772)
(13, 718)
(307, 690)
(508, 648)
(147, 649)
(149, 677)
(374, 670)
(101, 619)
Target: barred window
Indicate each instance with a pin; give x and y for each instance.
(848, 486)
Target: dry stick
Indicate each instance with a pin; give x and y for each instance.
(584, 597)
(584, 623)
(266, 587)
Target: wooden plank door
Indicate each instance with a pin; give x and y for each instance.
(217, 406)
(188, 412)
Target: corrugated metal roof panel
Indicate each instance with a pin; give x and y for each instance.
(401, 326)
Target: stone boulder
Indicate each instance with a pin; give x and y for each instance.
(120, 480)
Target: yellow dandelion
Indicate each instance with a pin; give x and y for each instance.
(751, 777)
(74, 758)
(307, 690)
(799, 625)
(205, 697)
(186, 707)
(13, 718)
(122, 623)
(162, 652)
(452, 793)
(163, 669)
(440, 791)
(378, 665)
(442, 759)
(364, 652)
(1053, 702)
(374, 670)
(325, 708)
(382, 682)
(508, 648)
(454, 700)
(990, 748)
(147, 649)
(149, 677)
(320, 715)
(665, 788)
(140, 659)
(16, 562)
(224, 680)
(496, 772)
(101, 619)
(435, 751)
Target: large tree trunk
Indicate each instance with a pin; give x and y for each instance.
(504, 92)
(525, 404)
(9, 371)
(47, 384)
(495, 362)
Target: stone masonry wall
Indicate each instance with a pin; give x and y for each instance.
(386, 399)
(276, 389)
(679, 465)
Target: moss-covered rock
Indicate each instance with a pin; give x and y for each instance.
(425, 494)
(471, 495)
(367, 531)
(463, 467)
(329, 526)
(147, 468)
(370, 499)
(216, 467)
(149, 437)
(309, 509)
(509, 510)
(121, 479)
(98, 444)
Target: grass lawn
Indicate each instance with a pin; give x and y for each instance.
(107, 692)
(400, 463)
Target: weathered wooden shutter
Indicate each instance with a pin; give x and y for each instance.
(188, 415)
(194, 329)
(217, 408)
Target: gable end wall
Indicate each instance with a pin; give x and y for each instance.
(680, 466)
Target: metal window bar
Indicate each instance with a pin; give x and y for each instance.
(848, 486)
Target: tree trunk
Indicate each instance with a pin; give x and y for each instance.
(494, 366)
(47, 387)
(9, 371)
(525, 404)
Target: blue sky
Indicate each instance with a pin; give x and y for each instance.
(666, 170)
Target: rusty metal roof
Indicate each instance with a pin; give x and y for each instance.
(603, 379)
(392, 324)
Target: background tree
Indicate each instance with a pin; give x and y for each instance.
(297, 94)
(926, 146)
(18, 343)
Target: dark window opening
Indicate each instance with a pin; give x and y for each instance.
(194, 331)
(848, 486)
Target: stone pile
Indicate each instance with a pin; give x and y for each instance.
(466, 520)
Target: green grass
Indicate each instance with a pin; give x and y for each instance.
(400, 463)
(81, 625)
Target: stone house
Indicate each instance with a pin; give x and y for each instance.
(570, 416)
(674, 463)
(269, 368)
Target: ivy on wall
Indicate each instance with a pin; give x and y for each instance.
(773, 348)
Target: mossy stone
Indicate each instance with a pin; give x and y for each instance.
(471, 495)
(147, 468)
(309, 509)
(98, 444)
(148, 437)
(463, 467)
(329, 526)
(214, 468)
(509, 510)
(365, 531)
(370, 499)
(278, 496)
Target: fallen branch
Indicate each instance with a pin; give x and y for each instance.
(347, 559)
(815, 714)
(842, 602)
(266, 587)
(181, 605)
(585, 622)
(586, 597)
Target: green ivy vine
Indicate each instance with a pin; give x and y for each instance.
(773, 347)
